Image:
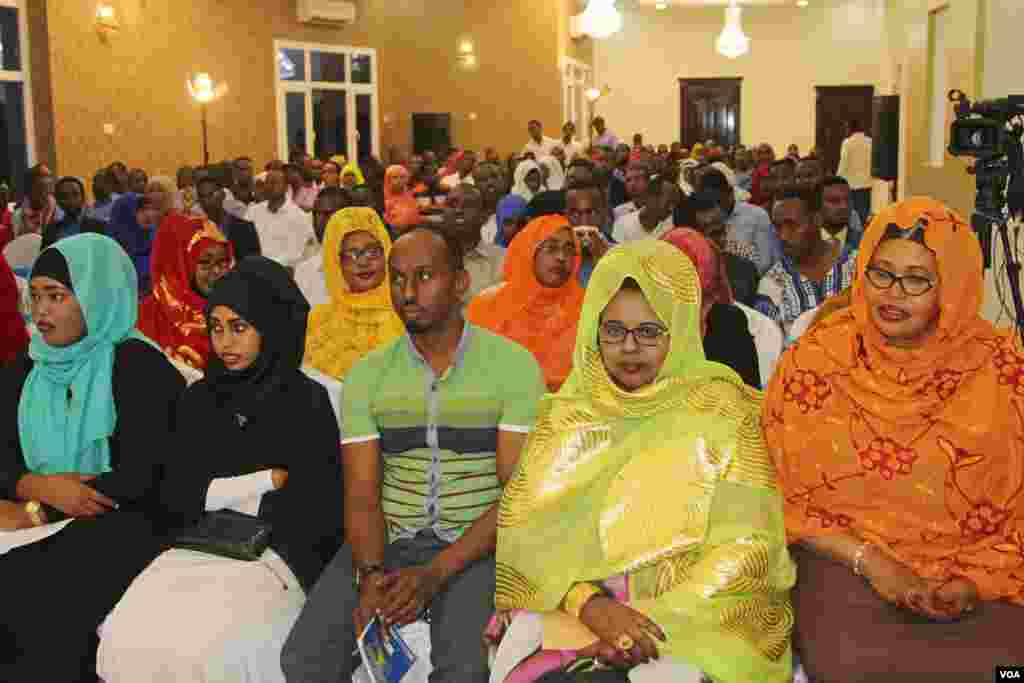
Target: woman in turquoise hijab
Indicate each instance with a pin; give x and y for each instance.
(83, 417)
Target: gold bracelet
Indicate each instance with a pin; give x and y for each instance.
(858, 558)
(578, 596)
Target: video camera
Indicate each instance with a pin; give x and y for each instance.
(990, 131)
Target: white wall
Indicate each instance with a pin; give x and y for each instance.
(834, 42)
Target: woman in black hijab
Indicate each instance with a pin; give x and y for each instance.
(259, 437)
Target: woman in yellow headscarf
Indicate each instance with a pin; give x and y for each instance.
(359, 317)
(644, 519)
(351, 175)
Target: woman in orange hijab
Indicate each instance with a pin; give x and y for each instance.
(400, 208)
(189, 256)
(897, 428)
(539, 303)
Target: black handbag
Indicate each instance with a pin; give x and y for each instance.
(227, 533)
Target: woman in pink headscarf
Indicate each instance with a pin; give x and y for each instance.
(400, 208)
(725, 329)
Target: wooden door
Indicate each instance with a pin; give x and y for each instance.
(837, 106)
(709, 110)
(432, 132)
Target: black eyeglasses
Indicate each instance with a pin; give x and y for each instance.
(648, 334)
(371, 253)
(912, 285)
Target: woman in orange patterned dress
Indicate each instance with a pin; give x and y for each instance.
(897, 427)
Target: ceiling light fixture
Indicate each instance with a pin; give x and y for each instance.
(802, 3)
(600, 19)
(732, 42)
(661, 5)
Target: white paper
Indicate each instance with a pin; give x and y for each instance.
(9, 540)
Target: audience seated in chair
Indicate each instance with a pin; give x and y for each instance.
(189, 256)
(463, 220)
(359, 316)
(433, 424)
(309, 273)
(538, 304)
(223, 619)
(908, 535)
(586, 566)
(211, 197)
(87, 414)
(724, 328)
(811, 269)
(70, 195)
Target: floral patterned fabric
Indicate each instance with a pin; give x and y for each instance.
(920, 451)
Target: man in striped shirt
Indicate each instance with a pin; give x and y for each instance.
(433, 424)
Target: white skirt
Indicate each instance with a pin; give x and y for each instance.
(196, 617)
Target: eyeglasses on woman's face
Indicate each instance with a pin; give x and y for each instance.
(647, 334)
(556, 248)
(374, 252)
(912, 285)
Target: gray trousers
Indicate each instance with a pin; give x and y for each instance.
(320, 646)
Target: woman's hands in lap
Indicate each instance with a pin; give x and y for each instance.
(611, 621)
(939, 600)
(69, 493)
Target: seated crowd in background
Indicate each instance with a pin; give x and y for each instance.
(515, 403)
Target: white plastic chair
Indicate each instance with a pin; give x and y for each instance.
(767, 338)
(23, 251)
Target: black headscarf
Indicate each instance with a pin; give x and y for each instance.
(264, 294)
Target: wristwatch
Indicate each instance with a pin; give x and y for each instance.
(365, 571)
(35, 512)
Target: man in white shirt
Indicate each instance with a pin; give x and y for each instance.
(463, 172)
(654, 219)
(855, 166)
(539, 145)
(309, 274)
(463, 219)
(284, 229)
(569, 144)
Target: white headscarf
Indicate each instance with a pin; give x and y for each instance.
(519, 178)
(684, 185)
(556, 176)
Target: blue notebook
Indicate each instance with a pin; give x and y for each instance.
(386, 656)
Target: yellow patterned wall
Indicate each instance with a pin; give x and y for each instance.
(135, 80)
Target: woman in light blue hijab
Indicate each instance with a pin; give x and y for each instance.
(83, 419)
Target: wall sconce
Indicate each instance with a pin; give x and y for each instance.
(202, 90)
(594, 94)
(465, 55)
(106, 19)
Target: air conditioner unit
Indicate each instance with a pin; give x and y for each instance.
(326, 11)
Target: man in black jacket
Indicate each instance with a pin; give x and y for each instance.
(70, 195)
(241, 234)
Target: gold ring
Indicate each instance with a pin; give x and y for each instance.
(624, 643)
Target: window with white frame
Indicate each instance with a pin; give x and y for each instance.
(16, 129)
(577, 78)
(327, 100)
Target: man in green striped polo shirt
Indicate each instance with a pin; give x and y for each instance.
(433, 424)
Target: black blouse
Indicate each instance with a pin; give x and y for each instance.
(146, 390)
(728, 341)
(296, 430)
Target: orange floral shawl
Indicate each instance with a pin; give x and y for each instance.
(172, 314)
(919, 451)
(540, 318)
